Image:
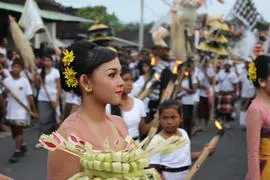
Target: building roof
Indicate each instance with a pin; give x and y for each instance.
(46, 14)
(123, 42)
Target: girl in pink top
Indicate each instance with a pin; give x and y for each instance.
(99, 83)
(258, 123)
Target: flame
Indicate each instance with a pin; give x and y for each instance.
(175, 68)
(179, 62)
(153, 61)
(218, 125)
(157, 76)
(186, 73)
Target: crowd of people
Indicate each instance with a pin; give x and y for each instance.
(100, 85)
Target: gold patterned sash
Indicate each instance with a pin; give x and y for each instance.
(265, 158)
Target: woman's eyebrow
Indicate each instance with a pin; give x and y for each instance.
(112, 69)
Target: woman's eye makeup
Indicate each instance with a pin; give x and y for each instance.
(112, 75)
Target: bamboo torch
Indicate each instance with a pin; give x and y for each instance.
(206, 151)
(171, 86)
(152, 63)
(147, 91)
(184, 73)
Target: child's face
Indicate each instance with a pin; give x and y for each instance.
(16, 69)
(170, 120)
(146, 68)
(2, 59)
(128, 83)
(47, 62)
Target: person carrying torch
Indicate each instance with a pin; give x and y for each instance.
(173, 164)
(161, 71)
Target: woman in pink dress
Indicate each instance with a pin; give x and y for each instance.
(258, 121)
(93, 73)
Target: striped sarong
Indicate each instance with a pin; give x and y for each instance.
(225, 103)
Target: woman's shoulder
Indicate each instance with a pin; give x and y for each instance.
(120, 124)
(255, 106)
(71, 125)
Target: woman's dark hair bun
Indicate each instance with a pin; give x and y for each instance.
(88, 57)
(262, 64)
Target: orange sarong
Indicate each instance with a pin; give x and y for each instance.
(265, 158)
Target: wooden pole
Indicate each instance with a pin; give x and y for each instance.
(205, 154)
(146, 93)
(168, 91)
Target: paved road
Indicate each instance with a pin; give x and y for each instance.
(228, 163)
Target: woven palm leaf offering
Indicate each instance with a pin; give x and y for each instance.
(129, 164)
(216, 39)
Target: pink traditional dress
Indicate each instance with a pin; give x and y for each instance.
(79, 126)
(258, 140)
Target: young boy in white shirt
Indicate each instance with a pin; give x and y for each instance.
(19, 102)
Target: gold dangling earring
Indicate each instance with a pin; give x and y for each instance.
(88, 89)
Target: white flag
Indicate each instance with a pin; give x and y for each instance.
(30, 19)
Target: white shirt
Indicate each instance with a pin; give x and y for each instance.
(133, 117)
(196, 95)
(22, 89)
(239, 68)
(3, 51)
(9, 62)
(226, 80)
(203, 80)
(137, 86)
(188, 99)
(51, 87)
(6, 74)
(248, 90)
(72, 98)
(179, 158)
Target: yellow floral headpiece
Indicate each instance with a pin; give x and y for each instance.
(69, 73)
(252, 71)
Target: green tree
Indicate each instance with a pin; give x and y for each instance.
(100, 14)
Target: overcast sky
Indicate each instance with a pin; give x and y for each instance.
(129, 10)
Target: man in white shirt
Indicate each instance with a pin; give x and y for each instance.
(227, 80)
(206, 78)
(3, 46)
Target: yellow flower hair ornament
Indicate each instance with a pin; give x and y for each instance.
(69, 73)
(68, 57)
(70, 76)
(252, 71)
